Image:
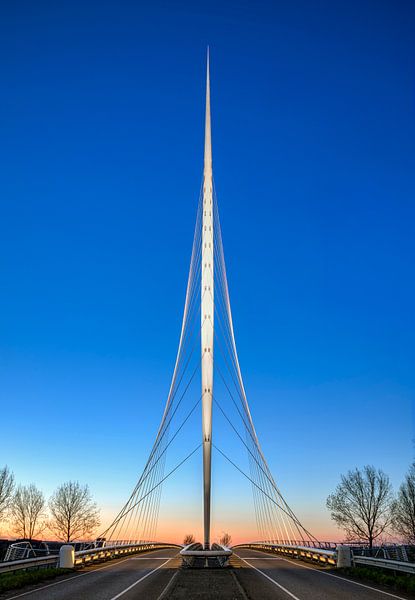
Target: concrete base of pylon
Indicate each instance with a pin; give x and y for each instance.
(194, 556)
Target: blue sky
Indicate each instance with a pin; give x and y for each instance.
(101, 115)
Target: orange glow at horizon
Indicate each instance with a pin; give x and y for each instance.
(174, 530)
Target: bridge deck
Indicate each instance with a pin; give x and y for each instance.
(157, 576)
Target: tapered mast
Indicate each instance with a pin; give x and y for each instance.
(207, 315)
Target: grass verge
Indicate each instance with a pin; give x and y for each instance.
(405, 583)
(12, 581)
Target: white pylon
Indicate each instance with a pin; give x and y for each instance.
(207, 316)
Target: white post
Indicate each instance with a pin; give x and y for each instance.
(344, 556)
(207, 316)
(67, 557)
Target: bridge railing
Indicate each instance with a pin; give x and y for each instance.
(115, 551)
(68, 558)
(321, 555)
(305, 543)
(340, 557)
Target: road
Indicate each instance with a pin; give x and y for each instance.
(283, 578)
(144, 576)
(156, 576)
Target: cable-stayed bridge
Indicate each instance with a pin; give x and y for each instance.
(207, 380)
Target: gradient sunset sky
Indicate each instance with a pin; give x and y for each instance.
(101, 118)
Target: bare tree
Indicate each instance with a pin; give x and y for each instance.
(226, 539)
(6, 491)
(189, 538)
(404, 508)
(361, 504)
(74, 514)
(28, 513)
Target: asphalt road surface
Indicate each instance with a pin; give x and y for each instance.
(283, 578)
(143, 576)
(156, 576)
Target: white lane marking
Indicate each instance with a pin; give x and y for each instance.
(130, 587)
(168, 586)
(150, 558)
(265, 558)
(68, 579)
(268, 577)
(368, 587)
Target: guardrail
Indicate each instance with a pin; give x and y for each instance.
(321, 555)
(304, 543)
(385, 563)
(29, 563)
(82, 557)
(341, 557)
